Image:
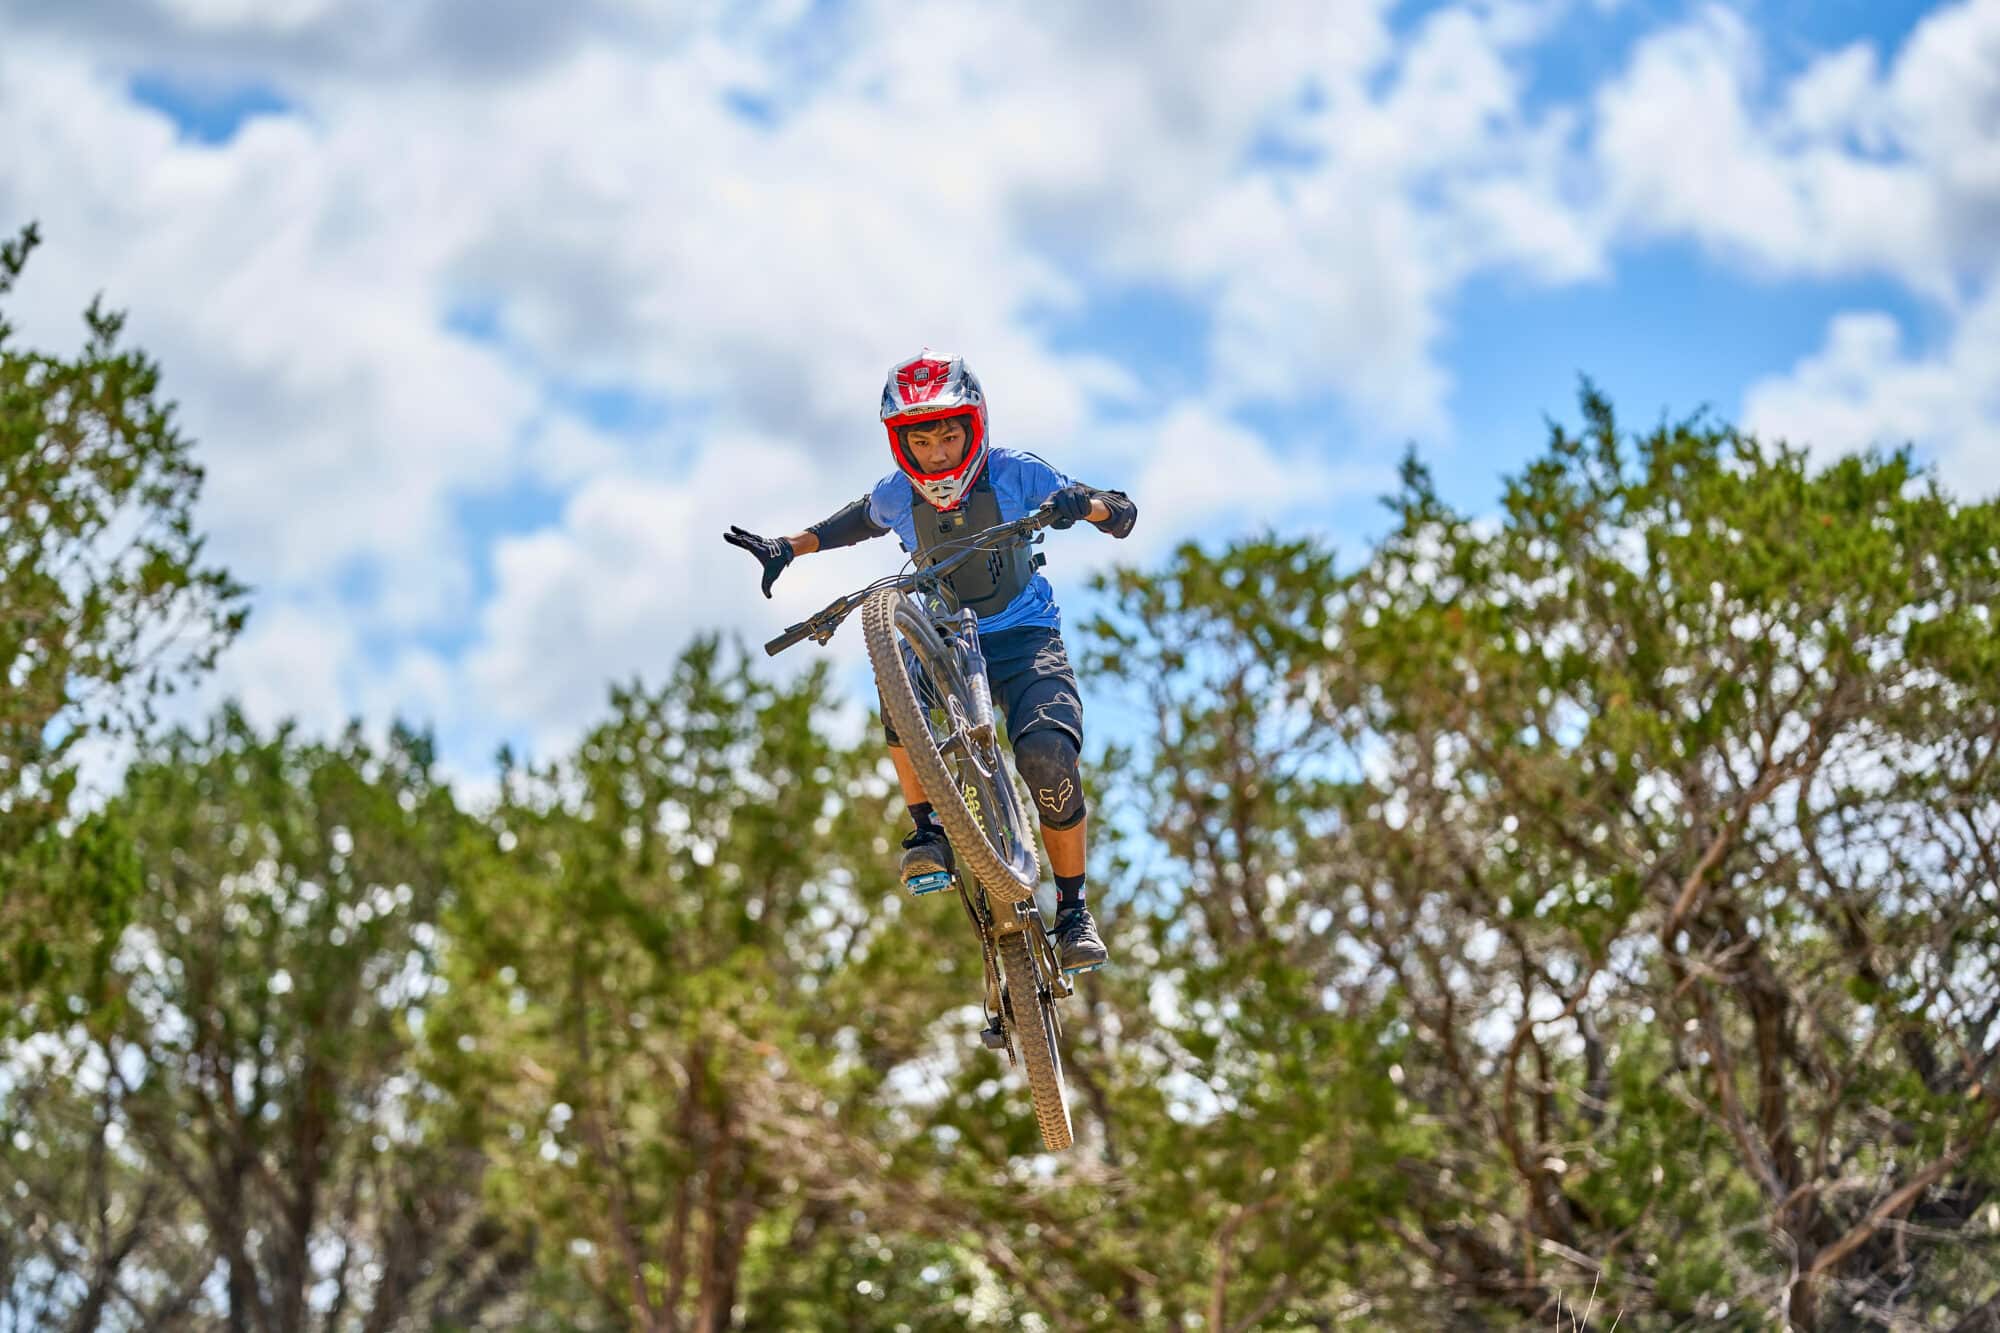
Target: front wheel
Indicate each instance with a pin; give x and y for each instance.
(1031, 1018)
(929, 702)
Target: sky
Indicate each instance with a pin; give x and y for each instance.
(489, 316)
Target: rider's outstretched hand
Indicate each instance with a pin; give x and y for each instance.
(1072, 504)
(774, 553)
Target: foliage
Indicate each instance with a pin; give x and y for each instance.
(239, 1134)
(1661, 814)
(662, 999)
(1597, 896)
(106, 604)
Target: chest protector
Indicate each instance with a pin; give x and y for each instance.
(985, 584)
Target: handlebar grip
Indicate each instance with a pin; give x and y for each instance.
(788, 638)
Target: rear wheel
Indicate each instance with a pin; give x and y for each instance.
(1031, 1018)
(964, 773)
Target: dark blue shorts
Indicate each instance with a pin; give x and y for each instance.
(1033, 685)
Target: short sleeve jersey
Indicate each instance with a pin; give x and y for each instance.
(1021, 483)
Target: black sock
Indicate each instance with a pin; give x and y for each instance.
(1069, 892)
(924, 816)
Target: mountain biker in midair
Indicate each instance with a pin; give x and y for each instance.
(950, 482)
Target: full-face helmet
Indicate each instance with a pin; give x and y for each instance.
(932, 386)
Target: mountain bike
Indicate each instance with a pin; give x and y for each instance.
(932, 676)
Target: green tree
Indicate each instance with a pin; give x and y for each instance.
(1706, 735)
(106, 603)
(1248, 1072)
(87, 1227)
(1657, 821)
(662, 914)
(239, 1136)
(729, 1071)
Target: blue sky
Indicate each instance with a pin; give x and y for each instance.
(203, 112)
(485, 335)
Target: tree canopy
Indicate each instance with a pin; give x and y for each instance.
(107, 603)
(1579, 915)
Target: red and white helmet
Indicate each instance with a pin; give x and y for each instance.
(931, 386)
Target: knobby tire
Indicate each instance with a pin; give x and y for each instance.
(969, 842)
(1030, 1008)
(1033, 1025)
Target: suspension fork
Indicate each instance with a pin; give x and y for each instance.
(963, 632)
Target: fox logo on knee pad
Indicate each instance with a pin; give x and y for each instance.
(1047, 759)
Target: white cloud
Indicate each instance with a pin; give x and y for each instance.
(290, 662)
(1851, 167)
(1333, 278)
(1845, 169)
(1944, 96)
(636, 565)
(932, 182)
(269, 15)
(379, 43)
(577, 170)
(284, 281)
(1863, 389)
(1197, 473)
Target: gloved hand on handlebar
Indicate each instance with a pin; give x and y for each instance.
(1072, 504)
(774, 553)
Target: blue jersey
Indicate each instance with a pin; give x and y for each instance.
(1021, 484)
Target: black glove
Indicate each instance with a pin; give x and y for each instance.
(774, 553)
(1072, 504)
(1118, 523)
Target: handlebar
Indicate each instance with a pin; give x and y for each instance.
(788, 638)
(822, 623)
(832, 615)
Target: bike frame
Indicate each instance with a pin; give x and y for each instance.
(991, 927)
(959, 630)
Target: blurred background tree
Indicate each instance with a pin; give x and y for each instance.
(1597, 896)
(241, 1135)
(106, 605)
(1678, 840)
(1657, 821)
(677, 996)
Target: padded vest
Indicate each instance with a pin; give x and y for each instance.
(984, 585)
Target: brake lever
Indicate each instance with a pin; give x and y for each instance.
(829, 621)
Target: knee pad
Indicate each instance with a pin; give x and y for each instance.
(1047, 759)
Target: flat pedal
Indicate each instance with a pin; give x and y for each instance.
(1087, 967)
(935, 882)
